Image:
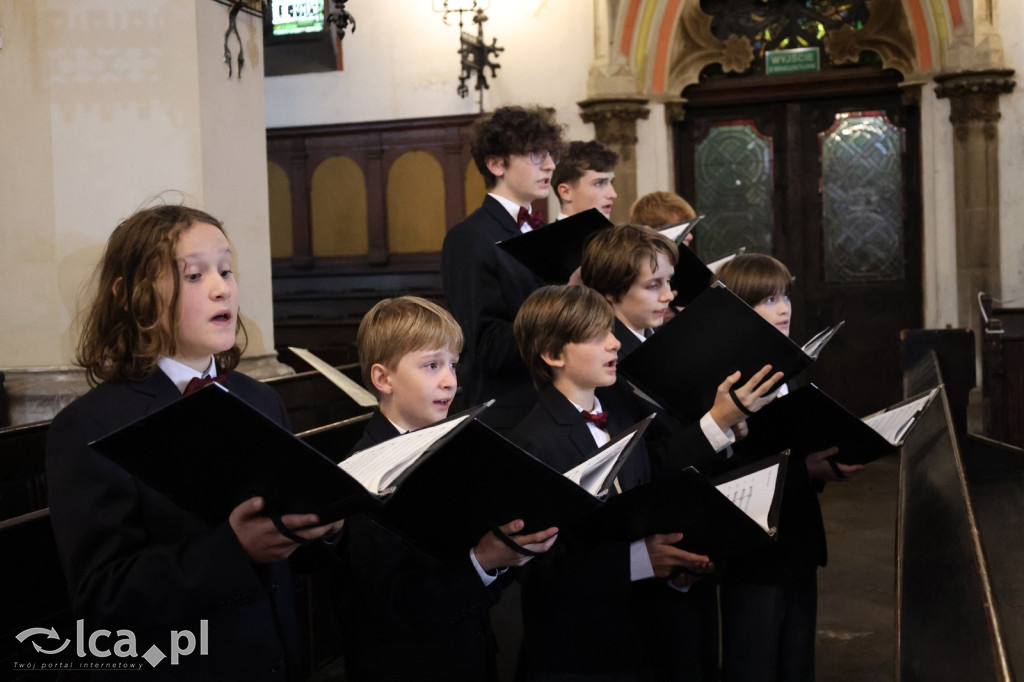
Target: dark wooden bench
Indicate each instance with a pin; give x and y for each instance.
(959, 591)
(312, 400)
(22, 464)
(1002, 363)
(36, 595)
(34, 585)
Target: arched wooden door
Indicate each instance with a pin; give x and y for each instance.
(821, 171)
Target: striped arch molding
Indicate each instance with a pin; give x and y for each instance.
(644, 30)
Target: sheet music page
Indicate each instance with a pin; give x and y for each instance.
(679, 231)
(753, 493)
(893, 424)
(353, 390)
(715, 264)
(591, 474)
(377, 467)
(817, 342)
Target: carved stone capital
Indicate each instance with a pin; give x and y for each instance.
(614, 119)
(675, 111)
(974, 98)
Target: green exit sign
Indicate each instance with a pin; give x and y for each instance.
(792, 61)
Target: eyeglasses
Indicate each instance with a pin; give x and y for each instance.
(537, 156)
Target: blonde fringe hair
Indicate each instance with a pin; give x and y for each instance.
(397, 326)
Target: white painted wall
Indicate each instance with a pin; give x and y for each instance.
(402, 62)
(1010, 20)
(105, 106)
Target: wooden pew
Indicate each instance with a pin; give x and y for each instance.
(36, 595)
(22, 464)
(950, 619)
(1003, 371)
(31, 571)
(312, 400)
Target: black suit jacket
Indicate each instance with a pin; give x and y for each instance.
(581, 613)
(135, 561)
(800, 545)
(408, 616)
(485, 287)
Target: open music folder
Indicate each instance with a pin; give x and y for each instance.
(684, 362)
(721, 518)
(693, 277)
(809, 420)
(553, 252)
(679, 231)
(442, 487)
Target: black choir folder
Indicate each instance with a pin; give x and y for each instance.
(682, 365)
(554, 252)
(808, 420)
(723, 518)
(679, 231)
(692, 277)
(442, 487)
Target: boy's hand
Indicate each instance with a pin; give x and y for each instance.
(820, 467)
(492, 553)
(262, 541)
(665, 558)
(752, 395)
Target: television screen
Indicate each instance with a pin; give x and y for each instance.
(296, 17)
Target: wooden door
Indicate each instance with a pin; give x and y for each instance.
(824, 175)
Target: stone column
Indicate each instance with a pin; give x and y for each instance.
(614, 122)
(974, 112)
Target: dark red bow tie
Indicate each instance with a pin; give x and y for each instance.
(197, 383)
(532, 218)
(598, 419)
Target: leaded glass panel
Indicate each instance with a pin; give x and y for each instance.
(734, 190)
(862, 198)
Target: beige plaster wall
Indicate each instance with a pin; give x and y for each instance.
(1010, 18)
(402, 62)
(106, 106)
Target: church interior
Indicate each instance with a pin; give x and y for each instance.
(872, 145)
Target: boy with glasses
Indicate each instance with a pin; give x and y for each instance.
(516, 150)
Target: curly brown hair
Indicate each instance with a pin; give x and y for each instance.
(514, 130)
(123, 332)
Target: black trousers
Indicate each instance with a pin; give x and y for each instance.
(768, 631)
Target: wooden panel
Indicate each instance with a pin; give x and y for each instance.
(318, 290)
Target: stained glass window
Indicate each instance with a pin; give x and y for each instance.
(784, 24)
(734, 190)
(862, 198)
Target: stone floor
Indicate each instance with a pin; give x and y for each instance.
(857, 590)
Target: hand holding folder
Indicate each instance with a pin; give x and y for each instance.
(683, 364)
(443, 487)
